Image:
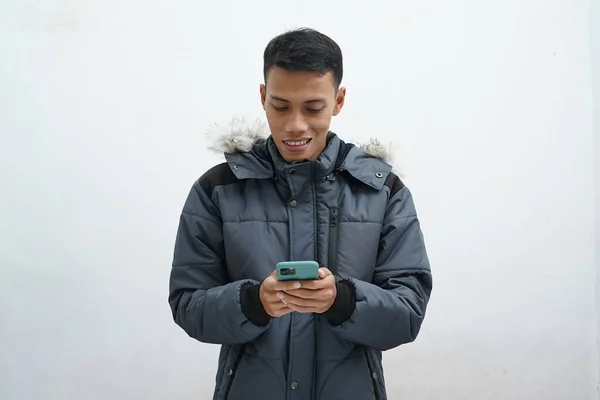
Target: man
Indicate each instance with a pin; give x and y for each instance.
(300, 193)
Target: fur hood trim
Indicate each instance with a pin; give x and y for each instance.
(239, 136)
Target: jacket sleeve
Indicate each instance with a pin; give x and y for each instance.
(389, 311)
(204, 302)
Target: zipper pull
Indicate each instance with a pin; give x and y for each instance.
(334, 217)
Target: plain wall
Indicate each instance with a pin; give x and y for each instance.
(595, 25)
(103, 106)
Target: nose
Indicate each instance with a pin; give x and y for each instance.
(296, 124)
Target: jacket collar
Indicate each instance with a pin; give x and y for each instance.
(252, 154)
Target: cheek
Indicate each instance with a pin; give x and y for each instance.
(321, 123)
(275, 121)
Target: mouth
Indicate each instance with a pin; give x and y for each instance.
(296, 145)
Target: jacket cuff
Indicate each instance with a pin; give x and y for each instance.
(344, 304)
(251, 304)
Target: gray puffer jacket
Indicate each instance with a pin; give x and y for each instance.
(348, 212)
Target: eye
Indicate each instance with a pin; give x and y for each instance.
(279, 108)
(315, 111)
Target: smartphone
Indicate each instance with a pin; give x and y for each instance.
(297, 270)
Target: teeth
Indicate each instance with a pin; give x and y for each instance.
(302, 143)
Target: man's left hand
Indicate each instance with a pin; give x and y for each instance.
(313, 296)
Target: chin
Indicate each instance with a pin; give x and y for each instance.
(294, 157)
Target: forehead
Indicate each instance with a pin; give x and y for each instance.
(294, 85)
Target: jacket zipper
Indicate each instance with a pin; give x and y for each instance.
(333, 240)
(372, 376)
(232, 372)
(316, 255)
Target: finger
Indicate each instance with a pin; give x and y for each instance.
(319, 283)
(324, 272)
(286, 285)
(281, 312)
(308, 293)
(269, 282)
(278, 304)
(291, 300)
(313, 285)
(273, 285)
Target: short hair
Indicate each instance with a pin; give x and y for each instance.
(307, 50)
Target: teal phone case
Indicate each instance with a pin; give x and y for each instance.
(297, 270)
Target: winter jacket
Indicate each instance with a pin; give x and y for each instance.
(348, 212)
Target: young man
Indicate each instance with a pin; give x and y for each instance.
(298, 192)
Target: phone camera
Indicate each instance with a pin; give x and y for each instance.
(288, 271)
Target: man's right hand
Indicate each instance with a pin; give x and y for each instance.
(270, 287)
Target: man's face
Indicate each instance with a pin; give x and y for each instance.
(299, 107)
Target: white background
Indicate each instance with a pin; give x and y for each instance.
(103, 109)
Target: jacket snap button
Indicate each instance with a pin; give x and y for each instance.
(292, 171)
(379, 174)
(294, 385)
(230, 372)
(374, 375)
(293, 203)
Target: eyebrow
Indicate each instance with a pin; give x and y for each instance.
(306, 102)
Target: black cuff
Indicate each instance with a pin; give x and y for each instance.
(344, 304)
(251, 304)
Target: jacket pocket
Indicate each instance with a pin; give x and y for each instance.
(373, 374)
(232, 369)
(257, 378)
(333, 240)
(348, 378)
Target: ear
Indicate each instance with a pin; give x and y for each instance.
(263, 95)
(340, 97)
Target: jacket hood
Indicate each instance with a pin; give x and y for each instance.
(240, 136)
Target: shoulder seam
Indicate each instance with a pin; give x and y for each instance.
(219, 175)
(394, 183)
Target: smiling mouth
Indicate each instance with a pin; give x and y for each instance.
(296, 143)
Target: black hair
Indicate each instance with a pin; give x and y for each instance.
(307, 50)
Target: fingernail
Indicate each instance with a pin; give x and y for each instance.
(296, 285)
(280, 295)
